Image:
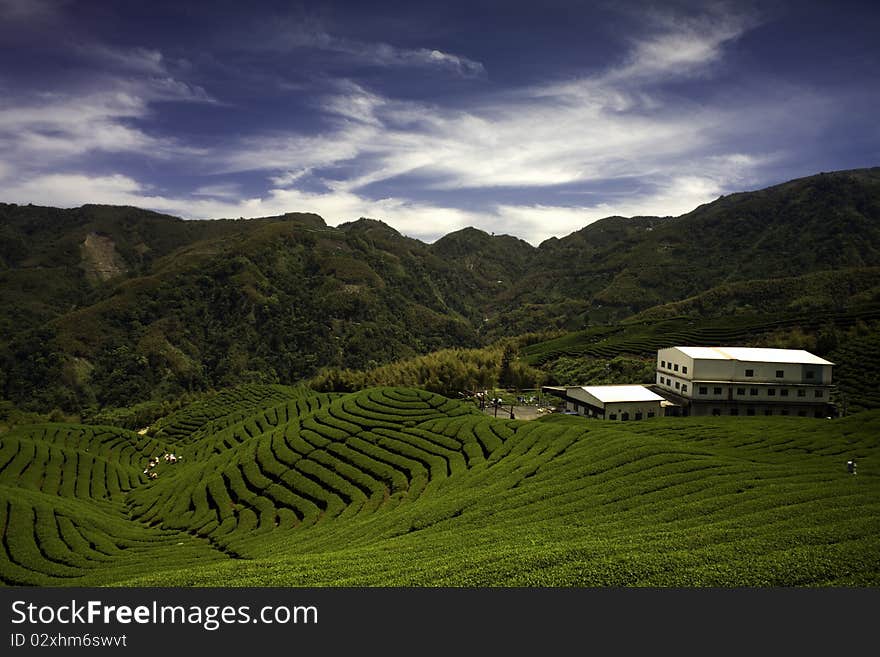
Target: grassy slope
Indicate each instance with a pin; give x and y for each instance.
(402, 487)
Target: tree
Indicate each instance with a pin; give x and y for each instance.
(506, 376)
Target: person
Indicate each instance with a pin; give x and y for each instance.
(851, 466)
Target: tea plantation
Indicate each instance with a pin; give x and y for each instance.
(277, 486)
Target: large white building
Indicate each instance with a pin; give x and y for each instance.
(623, 402)
(745, 381)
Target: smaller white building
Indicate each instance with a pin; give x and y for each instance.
(621, 403)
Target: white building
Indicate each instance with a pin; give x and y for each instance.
(745, 381)
(624, 402)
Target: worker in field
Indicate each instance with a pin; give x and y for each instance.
(851, 466)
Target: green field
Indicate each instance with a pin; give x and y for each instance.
(281, 486)
(644, 338)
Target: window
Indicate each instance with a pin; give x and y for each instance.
(768, 411)
(750, 411)
(750, 372)
(613, 416)
(753, 392)
(802, 414)
(740, 391)
(784, 411)
(662, 363)
(802, 393)
(677, 385)
(716, 411)
(784, 392)
(703, 390)
(811, 374)
(684, 369)
(675, 367)
(684, 387)
(624, 417)
(734, 411)
(638, 415)
(819, 393)
(650, 413)
(771, 392)
(780, 374)
(716, 391)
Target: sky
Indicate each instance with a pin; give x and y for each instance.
(531, 119)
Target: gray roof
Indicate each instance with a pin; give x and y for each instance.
(754, 355)
(624, 393)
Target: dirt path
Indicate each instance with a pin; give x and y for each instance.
(519, 412)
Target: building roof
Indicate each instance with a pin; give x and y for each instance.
(627, 393)
(754, 355)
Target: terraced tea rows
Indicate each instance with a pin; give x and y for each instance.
(395, 486)
(857, 371)
(62, 493)
(227, 407)
(645, 339)
(307, 461)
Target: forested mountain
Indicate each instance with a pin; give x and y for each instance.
(104, 305)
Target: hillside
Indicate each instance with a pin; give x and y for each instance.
(104, 306)
(395, 486)
(617, 266)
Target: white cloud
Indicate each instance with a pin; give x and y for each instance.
(686, 47)
(293, 152)
(54, 127)
(376, 53)
(533, 223)
(676, 197)
(27, 10)
(287, 178)
(602, 126)
(71, 190)
(221, 190)
(614, 124)
(140, 60)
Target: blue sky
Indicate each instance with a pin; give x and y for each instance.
(526, 118)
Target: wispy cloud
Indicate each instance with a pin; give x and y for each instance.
(52, 127)
(42, 130)
(610, 124)
(684, 45)
(313, 36)
(219, 190)
(139, 60)
(28, 10)
(144, 72)
(424, 221)
(605, 125)
(618, 123)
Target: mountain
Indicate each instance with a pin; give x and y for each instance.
(618, 266)
(107, 306)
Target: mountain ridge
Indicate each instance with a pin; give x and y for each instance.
(172, 306)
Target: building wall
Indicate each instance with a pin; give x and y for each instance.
(730, 387)
(677, 384)
(745, 393)
(725, 408)
(636, 410)
(645, 409)
(675, 364)
(584, 396)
